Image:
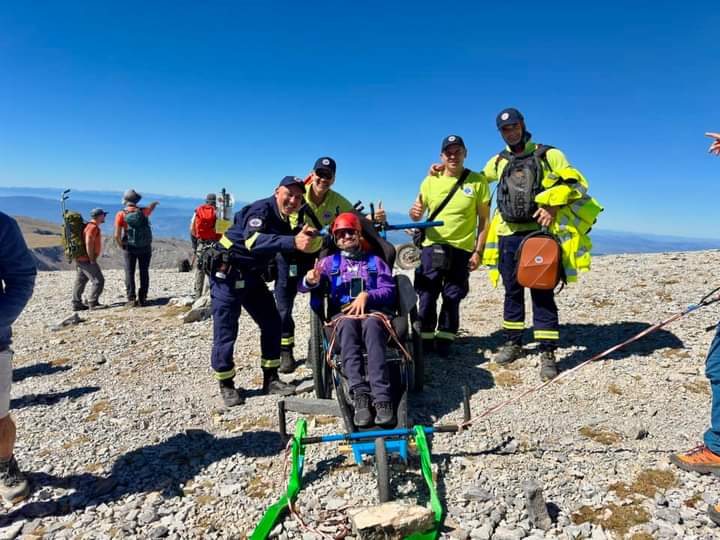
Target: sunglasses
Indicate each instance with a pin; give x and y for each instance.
(345, 232)
(325, 174)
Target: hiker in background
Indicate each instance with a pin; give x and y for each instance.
(202, 229)
(259, 232)
(705, 458)
(87, 266)
(715, 145)
(134, 236)
(537, 188)
(460, 198)
(17, 280)
(322, 205)
(360, 284)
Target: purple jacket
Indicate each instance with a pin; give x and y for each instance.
(381, 294)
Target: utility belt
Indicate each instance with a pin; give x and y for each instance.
(441, 256)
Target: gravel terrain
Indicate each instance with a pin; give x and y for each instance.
(123, 434)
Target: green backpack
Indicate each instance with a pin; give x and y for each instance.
(139, 235)
(72, 235)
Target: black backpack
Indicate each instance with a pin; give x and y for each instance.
(520, 182)
(139, 234)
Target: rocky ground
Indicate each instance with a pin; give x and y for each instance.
(123, 434)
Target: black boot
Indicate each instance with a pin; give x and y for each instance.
(273, 385)
(385, 414)
(287, 361)
(230, 395)
(363, 416)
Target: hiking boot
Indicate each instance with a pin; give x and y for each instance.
(229, 394)
(287, 361)
(714, 514)
(548, 369)
(442, 347)
(508, 353)
(79, 307)
(132, 303)
(142, 302)
(363, 416)
(96, 305)
(700, 460)
(13, 484)
(385, 414)
(273, 385)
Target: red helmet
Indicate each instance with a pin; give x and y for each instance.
(347, 220)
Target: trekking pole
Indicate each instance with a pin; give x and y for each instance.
(705, 301)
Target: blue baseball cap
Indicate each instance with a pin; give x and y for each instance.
(508, 116)
(450, 140)
(289, 181)
(326, 163)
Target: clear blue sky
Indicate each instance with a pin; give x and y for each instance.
(185, 97)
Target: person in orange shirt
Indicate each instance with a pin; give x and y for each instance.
(134, 236)
(87, 266)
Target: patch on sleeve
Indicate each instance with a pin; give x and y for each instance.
(467, 190)
(255, 223)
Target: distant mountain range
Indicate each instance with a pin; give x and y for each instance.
(172, 217)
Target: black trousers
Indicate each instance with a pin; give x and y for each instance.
(141, 260)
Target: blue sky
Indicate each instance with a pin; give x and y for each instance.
(187, 97)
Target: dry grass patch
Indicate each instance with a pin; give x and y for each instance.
(506, 379)
(615, 518)
(204, 500)
(324, 420)
(601, 302)
(235, 425)
(692, 501)
(93, 467)
(697, 387)
(676, 353)
(258, 488)
(174, 311)
(603, 436)
(99, 407)
(647, 483)
(59, 362)
(82, 439)
(614, 389)
(642, 536)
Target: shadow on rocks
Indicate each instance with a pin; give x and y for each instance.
(445, 378)
(158, 301)
(597, 338)
(31, 400)
(37, 370)
(160, 467)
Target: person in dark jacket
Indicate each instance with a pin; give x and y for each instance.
(17, 280)
(260, 231)
(361, 285)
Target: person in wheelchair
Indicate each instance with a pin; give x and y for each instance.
(362, 294)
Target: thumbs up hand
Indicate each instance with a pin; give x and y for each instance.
(418, 209)
(380, 215)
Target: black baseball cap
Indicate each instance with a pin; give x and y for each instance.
(508, 116)
(326, 163)
(450, 140)
(289, 181)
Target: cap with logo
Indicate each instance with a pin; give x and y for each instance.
(95, 212)
(508, 116)
(289, 181)
(450, 140)
(326, 163)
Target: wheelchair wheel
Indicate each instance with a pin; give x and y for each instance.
(346, 409)
(322, 376)
(418, 377)
(408, 256)
(382, 468)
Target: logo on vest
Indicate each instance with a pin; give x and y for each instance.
(255, 222)
(468, 191)
(327, 215)
(539, 259)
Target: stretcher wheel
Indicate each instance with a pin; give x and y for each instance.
(322, 377)
(383, 470)
(407, 256)
(418, 378)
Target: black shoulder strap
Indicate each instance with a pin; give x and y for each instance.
(541, 153)
(305, 210)
(502, 155)
(446, 200)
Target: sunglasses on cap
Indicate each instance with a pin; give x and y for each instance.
(325, 174)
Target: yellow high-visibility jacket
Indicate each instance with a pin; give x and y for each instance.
(567, 189)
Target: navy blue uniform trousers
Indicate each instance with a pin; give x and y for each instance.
(285, 293)
(545, 313)
(352, 334)
(227, 303)
(452, 284)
